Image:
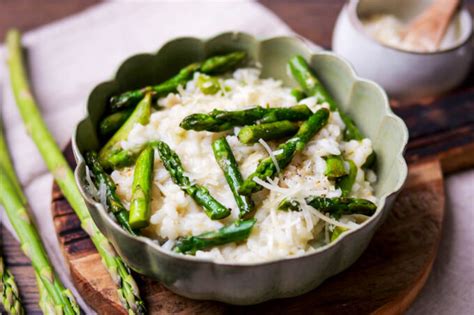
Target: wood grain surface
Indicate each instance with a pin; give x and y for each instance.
(313, 19)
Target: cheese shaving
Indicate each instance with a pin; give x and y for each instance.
(270, 152)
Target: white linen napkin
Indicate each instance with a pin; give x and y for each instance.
(66, 59)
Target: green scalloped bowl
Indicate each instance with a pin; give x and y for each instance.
(251, 283)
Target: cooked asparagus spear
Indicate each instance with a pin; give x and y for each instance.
(267, 131)
(338, 230)
(313, 87)
(58, 166)
(335, 206)
(346, 182)
(213, 65)
(213, 208)
(141, 189)
(298, 94)
(220, 120)
(226, 160)
(334, 166)
(235, 232)
(16, 209)
(110, 124)
(131, 98)
(101, 178)
(285, 151)
(9, 291)
(140, 115)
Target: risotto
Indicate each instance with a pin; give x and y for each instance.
(276, 234)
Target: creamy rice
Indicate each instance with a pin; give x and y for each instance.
(277, 234)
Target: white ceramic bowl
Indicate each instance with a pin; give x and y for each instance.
(404, 75)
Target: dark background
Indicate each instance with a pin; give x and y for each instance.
(313, 19)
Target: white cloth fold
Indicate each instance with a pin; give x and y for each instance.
(66, 59)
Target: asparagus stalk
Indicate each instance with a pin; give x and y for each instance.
(335, 167)
(9, 291)
(285, 152)
(335, 206)
(298, 94)
(220, 120)
(313, 87)
(346, 182)
(141, 190)
(213, 208)
(16, 209)
(101, 178)
(208, 85)
(58, 166)
(226, 160)
(267, 131)
(131, 98)
(141, 115)
(110, 124)
(338, 230)
(235, 232)
(213, 65)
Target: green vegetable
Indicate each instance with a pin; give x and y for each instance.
(235, 232)
(226, 160)
(141, 115)
(345, 183)
(58, 166)
(334, 206)
(338, 230)
(110, 124)
(370, 162)
(213, 65)
(334, 167)
(313, 87)
(9, 291)
(101, 178)
(141, 190)
(16, 209)
(220, 120)
(285, 151)
(208, 85)
(214, 209)
(223, 63)
(298, 94)
(267, 131)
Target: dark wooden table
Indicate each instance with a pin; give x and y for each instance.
(313, 19)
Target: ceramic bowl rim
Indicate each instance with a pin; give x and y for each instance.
(381, 205)
(352, 5)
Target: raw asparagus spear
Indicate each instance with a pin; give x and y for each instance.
(345, 183)
(334, 166)
(220, 120)
(226, 160)
(58, 166)
(141, 190)
(235, 232)
(285, 151)
(110, 124)
(313, 87)
(213, 208)
(335, 206)
(140, 115)
(213, 65)
(16, 209)
(267, 131)
(9, 291)
(101, 178)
